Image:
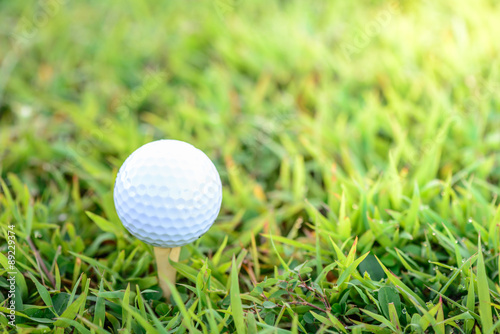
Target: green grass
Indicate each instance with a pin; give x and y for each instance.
(360, 172)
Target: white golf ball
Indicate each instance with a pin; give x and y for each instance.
(168, 193)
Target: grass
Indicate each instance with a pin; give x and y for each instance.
(358, 146)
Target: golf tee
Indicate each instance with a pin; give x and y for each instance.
(166, 273)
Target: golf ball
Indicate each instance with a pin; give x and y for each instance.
(168, 193)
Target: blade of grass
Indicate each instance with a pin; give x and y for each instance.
(401, 286)
(483, 292)
(236, 306)
(44, 294)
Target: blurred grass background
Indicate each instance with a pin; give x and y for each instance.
(326, 120)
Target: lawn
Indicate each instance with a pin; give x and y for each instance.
(358, 145)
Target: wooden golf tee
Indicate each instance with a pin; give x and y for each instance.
(166, 273)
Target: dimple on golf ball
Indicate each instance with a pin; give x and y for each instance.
(168, 193)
